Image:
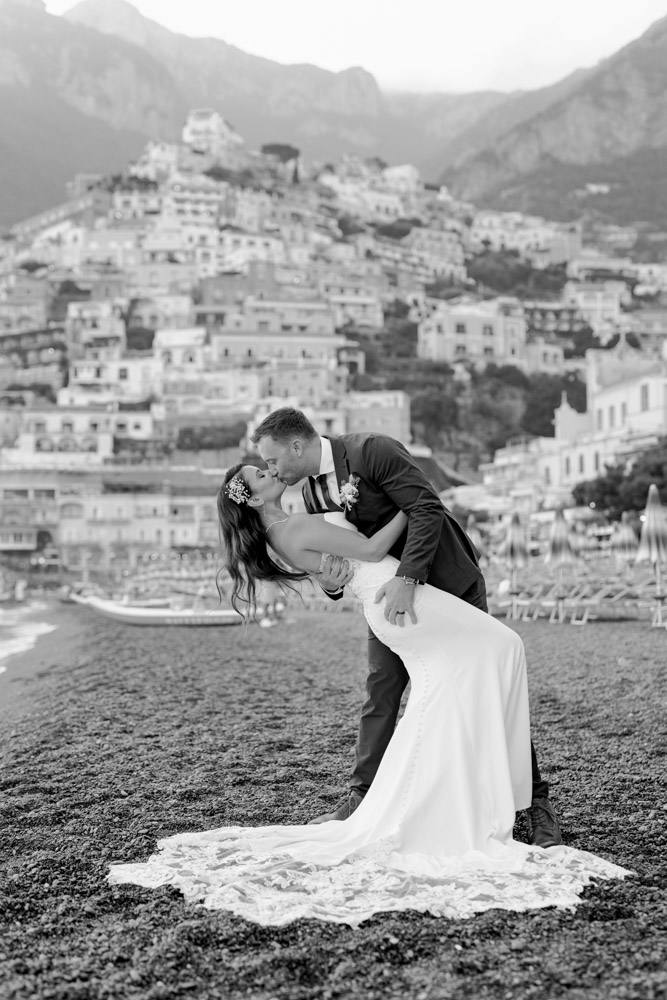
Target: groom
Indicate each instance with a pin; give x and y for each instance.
(371, 476)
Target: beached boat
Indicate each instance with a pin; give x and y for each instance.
(140, 615)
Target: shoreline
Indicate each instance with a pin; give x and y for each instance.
(57, 631)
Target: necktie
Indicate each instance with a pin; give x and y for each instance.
(322, 480)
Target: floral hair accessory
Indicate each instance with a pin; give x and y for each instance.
(237, 490)
(349, 494)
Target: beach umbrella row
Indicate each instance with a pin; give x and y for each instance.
(653, 547)
(565, 546)
(624, 542)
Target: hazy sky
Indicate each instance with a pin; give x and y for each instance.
(450, 45)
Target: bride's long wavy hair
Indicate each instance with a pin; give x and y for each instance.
(245, 552)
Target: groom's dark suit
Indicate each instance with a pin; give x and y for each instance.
(435, 549)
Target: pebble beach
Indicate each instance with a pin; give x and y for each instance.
(114, 736)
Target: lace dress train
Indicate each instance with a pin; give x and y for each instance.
(434, 832)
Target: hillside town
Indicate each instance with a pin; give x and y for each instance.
(151, 320)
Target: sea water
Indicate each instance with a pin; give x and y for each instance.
(20, 628)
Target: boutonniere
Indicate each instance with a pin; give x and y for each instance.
(349, 494)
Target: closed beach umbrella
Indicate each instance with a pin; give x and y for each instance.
(475, 535)
(561, 548)
(653, 540)
(624, 541)
(514, 547)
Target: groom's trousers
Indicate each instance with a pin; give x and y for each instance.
(387, 680)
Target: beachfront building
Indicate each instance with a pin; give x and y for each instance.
(599, 303)
(207, 397)
(129, 379)
(161, 311)
(208, 134)
(157, 161)
(193, 199)
(95, 330)
(33, 357)
(626, 413)
(24, 302)
(108, 517)
(475, 332)
(58, 437)
(183, 349)
(541, 241)
(382, 411)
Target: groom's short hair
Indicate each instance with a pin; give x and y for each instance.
(284, 425)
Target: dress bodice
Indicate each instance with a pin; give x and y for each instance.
(367, 576)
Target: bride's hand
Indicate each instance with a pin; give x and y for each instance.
(334, 573)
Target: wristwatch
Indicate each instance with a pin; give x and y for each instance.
(410, 581)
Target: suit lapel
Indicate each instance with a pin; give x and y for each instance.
(309, 499)
(343, 472)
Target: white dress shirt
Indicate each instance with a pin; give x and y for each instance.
(327, 468)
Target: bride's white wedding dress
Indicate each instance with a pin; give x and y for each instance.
(434, 832)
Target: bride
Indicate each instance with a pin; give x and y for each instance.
(434, 832)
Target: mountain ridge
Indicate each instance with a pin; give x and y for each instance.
(113, 79)
(616, 112)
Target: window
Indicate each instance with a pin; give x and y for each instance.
(487, 330)
(643, 398)
(460, 328)
(67, 427)
(581, 463)
(612, 416)
(263, 326)
(567, 466)
(624, 412)
(598, 420)
(45, 494)
(460, 349)
(596, 461)
(122, 374)
(488, 352)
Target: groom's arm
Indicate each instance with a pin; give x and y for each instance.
(392, 468)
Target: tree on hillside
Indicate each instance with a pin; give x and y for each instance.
(348, 225)
(435, 417)
(139, 338)
(625, 486)
(283, 151)
(582, 340)
(544, 396)
(211, 437)
(506, 273)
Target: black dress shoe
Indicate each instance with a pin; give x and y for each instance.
(352, 801)
(543, 824)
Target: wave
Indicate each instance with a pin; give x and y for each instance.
(20, 631)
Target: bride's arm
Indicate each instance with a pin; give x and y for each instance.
(307, 535)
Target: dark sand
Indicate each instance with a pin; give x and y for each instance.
(116, 736)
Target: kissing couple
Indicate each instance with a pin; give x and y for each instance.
(428, 820)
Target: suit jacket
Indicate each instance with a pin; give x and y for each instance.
(434, 548)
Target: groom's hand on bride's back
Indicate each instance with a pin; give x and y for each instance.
(400, 600)
(334, 574)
